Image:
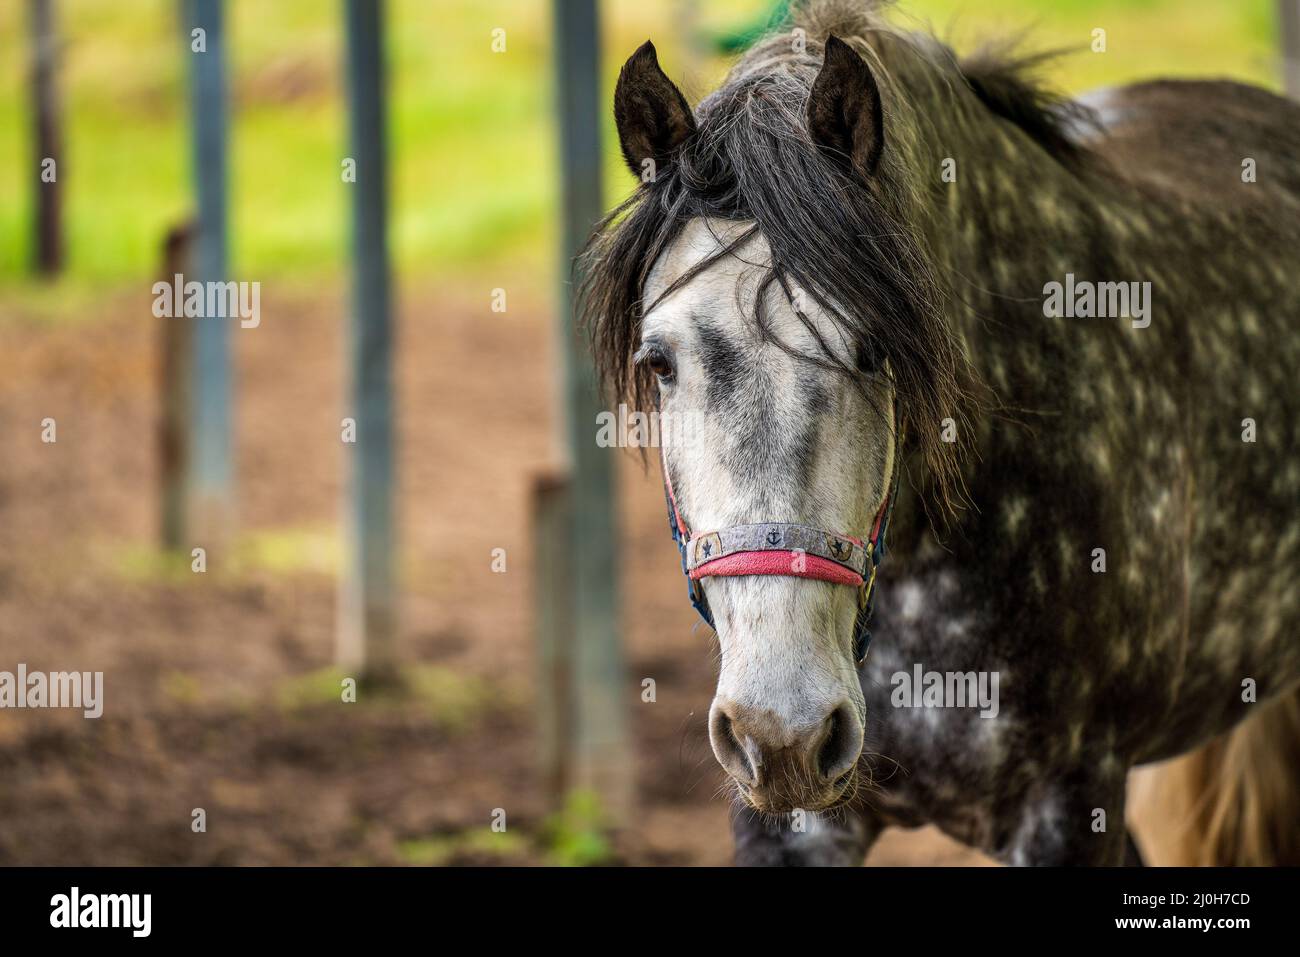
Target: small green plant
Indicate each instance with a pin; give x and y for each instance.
(576, 835)
(442, 849)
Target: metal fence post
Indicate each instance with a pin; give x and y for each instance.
(368, 622)
(601, 762)
(210, 495)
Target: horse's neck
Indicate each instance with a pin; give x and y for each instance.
(1013, 219)
(1006, 219)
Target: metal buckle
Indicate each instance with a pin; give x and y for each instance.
(697, 591)
(864, 593)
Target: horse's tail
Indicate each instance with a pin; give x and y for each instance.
(1235, 801)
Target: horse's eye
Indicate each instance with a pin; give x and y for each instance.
(660, 363)
(868, 359)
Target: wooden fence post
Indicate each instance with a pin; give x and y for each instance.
(553, 620)
(175, 393)
(47, 142)
(1289, 23)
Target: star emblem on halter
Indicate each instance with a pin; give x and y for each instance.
(708, 547)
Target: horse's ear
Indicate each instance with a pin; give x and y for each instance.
(845, 115)
(653, 117)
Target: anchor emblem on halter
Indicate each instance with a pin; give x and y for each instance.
(774, 537)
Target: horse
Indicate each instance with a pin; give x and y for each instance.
(1048, 344)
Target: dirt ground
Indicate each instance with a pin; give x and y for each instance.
(219, 692)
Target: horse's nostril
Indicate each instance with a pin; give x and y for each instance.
(841, 744)
(728, 746)
(829, 752)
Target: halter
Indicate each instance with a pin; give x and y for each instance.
(787, 549)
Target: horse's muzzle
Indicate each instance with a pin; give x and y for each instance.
(780, 766)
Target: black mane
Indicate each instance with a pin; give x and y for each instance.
(1003, 83)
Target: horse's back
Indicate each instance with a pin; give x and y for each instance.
(1194, 138)
(1211, 173)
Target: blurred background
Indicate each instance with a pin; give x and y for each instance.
(223, 688)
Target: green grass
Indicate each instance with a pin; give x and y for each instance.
(279, 551)
(576, 836)
(472, 138)
(450, 699)
(480, 842)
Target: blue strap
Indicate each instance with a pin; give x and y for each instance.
(693, 589)
(861, 631)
